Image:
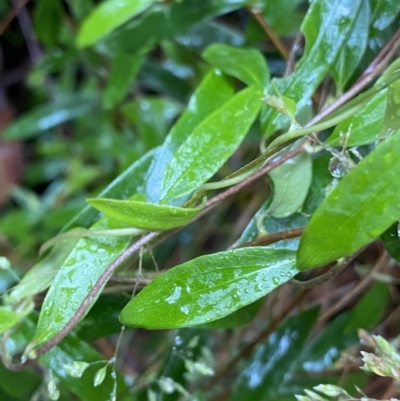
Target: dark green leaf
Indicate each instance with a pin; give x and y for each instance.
(48, 21)
(211, 93)
(248, 65)
(205, 33)
(123, 72)
(364, 126)
(164, 21)
(273, 361)
(149, 216)
(212, 142)
(107, 16)
(326, 28)
(354, 48)
(348, 218)
(50, 115)
(391, 241)
(209, 288)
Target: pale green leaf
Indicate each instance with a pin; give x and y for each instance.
(144, 215)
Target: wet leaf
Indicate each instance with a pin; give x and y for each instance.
(391, 121)
(238, 318)
(123, 72)
(391, 241)
(348, 218)
(164, 21)
(8, 318)
(149, 216)
(210, 145)
(50, 115)
(108, 16)
(362, 127)
(326, 27)
(100, 376)
(273, 361)
(248, 65)
(383, 15)
(291, 181)
(131, 181)
(213, 91)
(209, 287)
(354, 47)
(76, 277)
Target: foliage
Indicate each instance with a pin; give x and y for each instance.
(189, 164)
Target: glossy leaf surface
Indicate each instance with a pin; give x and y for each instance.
(326, 27)
(213, 91)
(149, 216)
(76, 277)
(273, 360)
(391, 121)
(391, 241)
(362, 127)
(107, 16)
(209, 287)
(362, 206)
(248, 65)
(291, 182)
(210, 145)
(50, 115)
(354, 48)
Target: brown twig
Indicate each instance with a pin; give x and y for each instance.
(359, 288)
(292, 55)
(274, 237)
(11, 15)
(270, 32)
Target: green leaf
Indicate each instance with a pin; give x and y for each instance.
(8, 318)
(292, 181)
(384, 14)
(364, 126)
(108, 16)
(391, 121)
(273, 361)
(209, 287)
(354, 48)
(213, 91)
(164, 21)
(248, 65)
(286, 19)
(123, 72)
(362, 206)
(48, 21)
(212, 142)
(326, 28)
(144, 215)
(238, 318)
(152, 116)
(391, 241)
(47, 116)
(76, 277)
(131, 181)
(100, 376)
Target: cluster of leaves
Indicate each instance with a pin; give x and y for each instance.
(173, 95)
